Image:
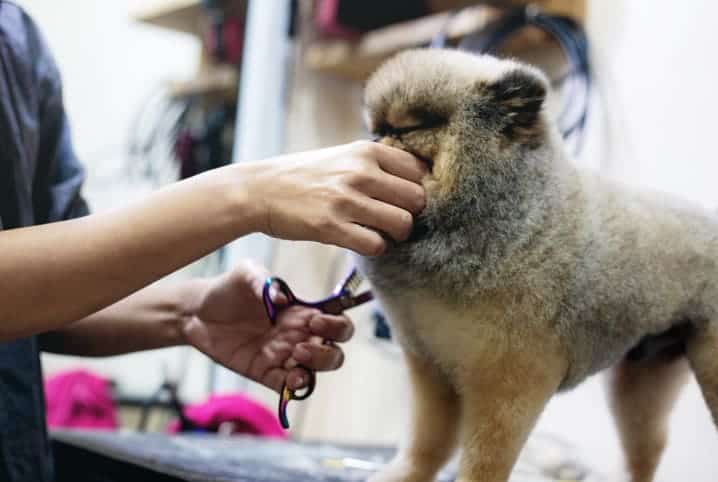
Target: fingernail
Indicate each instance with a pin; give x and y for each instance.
(302, 354)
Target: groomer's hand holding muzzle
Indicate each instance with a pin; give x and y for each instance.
(345, 195)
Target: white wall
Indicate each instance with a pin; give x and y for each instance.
(658, 74)
(110, 64)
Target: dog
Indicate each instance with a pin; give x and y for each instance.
(526, 274)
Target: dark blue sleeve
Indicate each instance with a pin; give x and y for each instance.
(58, 174)
(59, 194)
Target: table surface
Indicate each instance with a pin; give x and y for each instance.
(208, 458)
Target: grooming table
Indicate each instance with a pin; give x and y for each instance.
(118, 456)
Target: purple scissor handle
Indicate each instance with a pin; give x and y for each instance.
(342, 298)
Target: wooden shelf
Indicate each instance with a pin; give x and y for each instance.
(220, 80)
(571, 8)
(356, 60)
(189, 16)
(181, 15)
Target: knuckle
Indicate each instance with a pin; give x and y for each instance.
(368, 166)
(363, 210)
(366, 148)
(355, 179)
(367, 176)
(324, 223)
(342, 201)
(370, 152)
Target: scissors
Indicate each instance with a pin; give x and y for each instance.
(342, 298)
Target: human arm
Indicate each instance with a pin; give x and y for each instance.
(58, 273)
(223, 317)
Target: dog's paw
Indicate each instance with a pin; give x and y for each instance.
(401, 472)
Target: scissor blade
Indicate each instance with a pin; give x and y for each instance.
(362, 298)
(332, 306)
(337, 304)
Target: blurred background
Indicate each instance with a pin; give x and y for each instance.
(160, 90)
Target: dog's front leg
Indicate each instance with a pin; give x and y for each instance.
(432, 426)
(502, 395)
(703, 357)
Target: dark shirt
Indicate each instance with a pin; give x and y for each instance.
(40, 181)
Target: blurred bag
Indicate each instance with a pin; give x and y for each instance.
(79, 399)
(231, 415)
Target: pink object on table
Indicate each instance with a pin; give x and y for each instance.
(79, 399)
(236, 413)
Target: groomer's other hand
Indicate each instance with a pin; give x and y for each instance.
(226, 320)
(344, 195)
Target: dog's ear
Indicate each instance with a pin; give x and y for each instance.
(516, 99)
(519, 95)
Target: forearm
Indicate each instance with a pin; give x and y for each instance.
(149, 319)
(57, 273)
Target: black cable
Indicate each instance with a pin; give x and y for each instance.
(573, 42)
(155, 127)
(440, 40)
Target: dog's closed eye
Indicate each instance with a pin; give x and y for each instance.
(418, 122)
(391, 131)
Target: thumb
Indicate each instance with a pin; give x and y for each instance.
(252, 273)
(258, 275)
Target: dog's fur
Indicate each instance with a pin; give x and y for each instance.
(524, 274)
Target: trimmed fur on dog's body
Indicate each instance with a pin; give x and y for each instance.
(526, 274)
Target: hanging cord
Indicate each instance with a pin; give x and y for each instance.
(440, 40)
(573, 42)
(152, 136)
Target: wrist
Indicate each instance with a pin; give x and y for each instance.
(228, 200)
(244, 202)
(188, 299)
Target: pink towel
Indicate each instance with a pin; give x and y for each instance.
(79, 399)
(239, 412)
